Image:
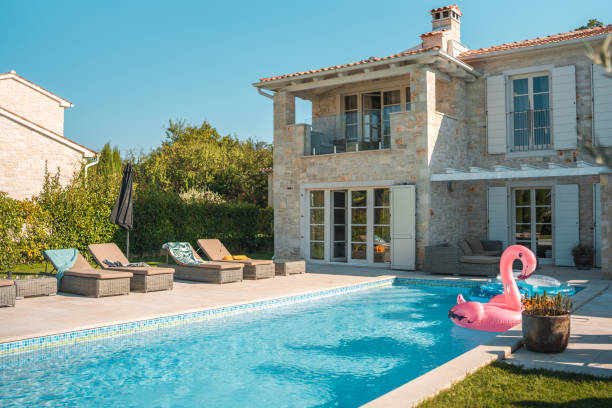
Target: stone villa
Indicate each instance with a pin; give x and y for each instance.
(32, 135)
(440, 143)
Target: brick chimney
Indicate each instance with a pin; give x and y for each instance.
(445, 30)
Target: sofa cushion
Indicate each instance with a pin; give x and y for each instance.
(465, 248)
(479, 259)
(476, 246)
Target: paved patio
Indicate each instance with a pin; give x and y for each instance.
(590, 347)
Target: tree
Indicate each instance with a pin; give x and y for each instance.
(198, 158)
(592, 23)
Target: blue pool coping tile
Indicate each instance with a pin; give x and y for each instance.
(38, 343)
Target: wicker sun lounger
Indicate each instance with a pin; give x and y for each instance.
(253, 268)
(7, 292)
(144, 279)
(82, 279)
(213, 272)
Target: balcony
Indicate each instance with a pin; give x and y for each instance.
(529, 130)
(351, 132)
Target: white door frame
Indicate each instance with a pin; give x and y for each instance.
(533, 187)
(305, 221)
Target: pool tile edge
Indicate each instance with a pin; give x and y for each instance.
(71, 337)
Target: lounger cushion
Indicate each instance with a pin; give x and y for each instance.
(6, 282)
(110, 251)
(219, 265)
(142, 270)
(478, 259)
(465, 248)
(97, 274)
(252, 262)
(214, 249)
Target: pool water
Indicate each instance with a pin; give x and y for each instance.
(535, 284)
(339, 351)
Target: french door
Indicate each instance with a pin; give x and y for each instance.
(532, 216)
(352, 225)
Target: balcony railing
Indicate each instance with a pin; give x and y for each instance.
(352, 132)
(529, 130)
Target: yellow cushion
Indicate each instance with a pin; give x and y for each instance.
(228, 258)
(241, 258)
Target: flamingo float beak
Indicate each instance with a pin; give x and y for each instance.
(530, 263)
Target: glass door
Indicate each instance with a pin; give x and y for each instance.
(339, 226)
(533, 220)
(358, 225)
(317, 225)
(382, 226)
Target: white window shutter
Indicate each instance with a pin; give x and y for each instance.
(602, 107)
(565, 134)
(496, 114)
(498, 214)
(403, 218)
(566, 233)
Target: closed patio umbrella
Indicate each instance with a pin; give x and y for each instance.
(122, 214)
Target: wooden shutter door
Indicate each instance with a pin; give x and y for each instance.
(403, 220)
(564, 131)
(496, 114)
(566, 233)
(497, 212)
(602, 107)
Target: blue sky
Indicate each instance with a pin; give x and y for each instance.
(130, 66)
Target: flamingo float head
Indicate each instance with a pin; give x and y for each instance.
(529, 261)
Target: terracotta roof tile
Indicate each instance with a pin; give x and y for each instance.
(371, 59)
(571, 35)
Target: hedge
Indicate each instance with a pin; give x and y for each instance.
(161, 217)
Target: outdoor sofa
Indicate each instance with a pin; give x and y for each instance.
(191, 267)
(252, 268)
(7, 292)
(145, 278)
(83, 279)
(468, 258)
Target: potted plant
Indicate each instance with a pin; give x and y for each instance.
(546, 323)
(583, 256)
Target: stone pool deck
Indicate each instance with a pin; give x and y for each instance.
(591, 347)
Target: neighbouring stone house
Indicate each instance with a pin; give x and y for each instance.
(32, 136)
(441, 143)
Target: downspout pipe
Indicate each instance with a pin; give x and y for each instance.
(88, 165)
(267, 95)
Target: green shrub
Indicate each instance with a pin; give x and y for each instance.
(161, 217)
(11, 220)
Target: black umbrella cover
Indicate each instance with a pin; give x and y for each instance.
(122, 210)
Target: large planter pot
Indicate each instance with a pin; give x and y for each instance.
(546, 334)
(583, 262)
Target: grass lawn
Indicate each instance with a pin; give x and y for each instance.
(504, 385)
(40, 267)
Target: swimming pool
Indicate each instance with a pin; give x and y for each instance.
(342, 351)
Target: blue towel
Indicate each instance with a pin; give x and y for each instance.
(62, 260)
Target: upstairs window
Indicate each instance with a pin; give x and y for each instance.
(530, 116)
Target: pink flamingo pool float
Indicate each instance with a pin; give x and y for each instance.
(503, 311)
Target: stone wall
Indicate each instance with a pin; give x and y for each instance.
(23, 154)
(476, 147)
(32, 105)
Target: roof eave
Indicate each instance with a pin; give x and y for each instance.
(63, 102)
(533, 47)
(347, 74)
